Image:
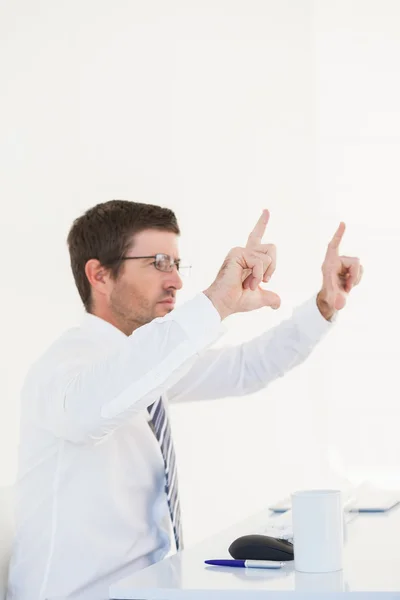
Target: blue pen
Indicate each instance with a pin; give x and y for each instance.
(254, 564)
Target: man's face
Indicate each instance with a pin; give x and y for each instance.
(141, 293)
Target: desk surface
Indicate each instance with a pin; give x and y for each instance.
(371, 568)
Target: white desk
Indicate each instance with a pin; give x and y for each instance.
(371, 569)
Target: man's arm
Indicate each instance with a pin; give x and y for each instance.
(79, 397)
(251, 366)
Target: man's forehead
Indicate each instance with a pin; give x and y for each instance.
(153, 241)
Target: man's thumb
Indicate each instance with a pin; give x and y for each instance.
(270, 299)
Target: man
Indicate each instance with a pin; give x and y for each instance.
(97, 486)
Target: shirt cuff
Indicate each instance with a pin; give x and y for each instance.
(199, 319)
(311, 322)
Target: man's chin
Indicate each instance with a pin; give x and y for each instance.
(165, 308)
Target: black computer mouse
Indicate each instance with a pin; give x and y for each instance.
(261, 547)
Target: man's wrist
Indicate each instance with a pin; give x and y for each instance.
(325, 307)
(219, 306)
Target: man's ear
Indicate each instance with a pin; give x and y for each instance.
(97, 275)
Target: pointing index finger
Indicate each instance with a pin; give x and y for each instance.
(256, 235)
(337, 238)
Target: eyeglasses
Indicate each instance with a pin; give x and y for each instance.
(162, 262)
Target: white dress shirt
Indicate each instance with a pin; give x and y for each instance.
(91, 504)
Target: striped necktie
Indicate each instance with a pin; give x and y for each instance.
(162, 430)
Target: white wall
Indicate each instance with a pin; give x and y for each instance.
(208, 108)
(357, 60)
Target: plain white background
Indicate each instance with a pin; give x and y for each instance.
(216, 109)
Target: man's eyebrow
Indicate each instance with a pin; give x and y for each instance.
(166, 254)
(152, 258)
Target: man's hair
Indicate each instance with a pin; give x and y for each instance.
(106, 231)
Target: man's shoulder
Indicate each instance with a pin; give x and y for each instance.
(69, 341)
(72, 346)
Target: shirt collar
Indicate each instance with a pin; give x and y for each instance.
(104, 328)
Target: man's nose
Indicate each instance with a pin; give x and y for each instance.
(174, 279)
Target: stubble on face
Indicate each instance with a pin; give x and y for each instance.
(132, 308)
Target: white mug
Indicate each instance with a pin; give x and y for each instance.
(317, 531)
(319, 582)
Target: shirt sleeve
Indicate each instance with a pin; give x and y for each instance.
(251, 366)
(79, 397)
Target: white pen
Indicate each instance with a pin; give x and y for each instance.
(248, 564)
